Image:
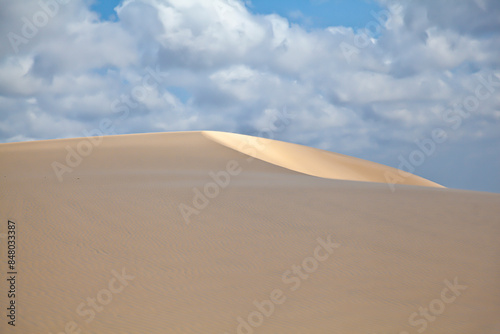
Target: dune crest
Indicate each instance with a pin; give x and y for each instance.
(312, 161)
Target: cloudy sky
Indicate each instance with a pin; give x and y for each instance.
(403, 83)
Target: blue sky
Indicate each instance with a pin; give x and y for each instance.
(106, 8)
(310, 13)
(228, 66)
(319, 13)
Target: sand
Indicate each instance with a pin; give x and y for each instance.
(209, 232)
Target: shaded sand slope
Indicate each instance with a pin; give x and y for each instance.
(119, 208)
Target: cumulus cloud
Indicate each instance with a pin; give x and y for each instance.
(168, 65)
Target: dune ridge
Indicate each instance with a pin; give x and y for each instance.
(313, 161)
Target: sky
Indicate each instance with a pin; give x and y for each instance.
(409, 84)
(308, 13)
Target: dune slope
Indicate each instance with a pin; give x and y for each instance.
(313, 161)
(186, 233)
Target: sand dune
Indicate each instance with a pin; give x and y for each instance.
(312, 161)
(207, 232)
